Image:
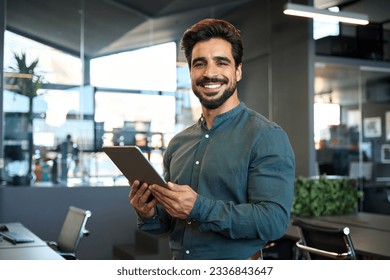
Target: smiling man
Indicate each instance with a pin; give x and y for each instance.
(231, 175)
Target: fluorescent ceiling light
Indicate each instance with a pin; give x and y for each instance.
(324, 15)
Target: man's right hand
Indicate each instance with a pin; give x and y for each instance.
(138, 198)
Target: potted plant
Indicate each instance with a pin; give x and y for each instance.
(26, 81)
(325, 196)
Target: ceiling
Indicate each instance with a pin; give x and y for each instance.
(111, 26)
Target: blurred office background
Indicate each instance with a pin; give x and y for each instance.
(110, 72)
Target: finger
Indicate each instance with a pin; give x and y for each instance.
(161, 191)
(166, 194)
(152, 203)
(171, 186)
(145, 196)
(142, 189)
(134, 188)
(137, 194)
(165, 201)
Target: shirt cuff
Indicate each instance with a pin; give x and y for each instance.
(200, 210)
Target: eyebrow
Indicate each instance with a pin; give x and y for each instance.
(198, 59)
(222, 58)
(215, 58)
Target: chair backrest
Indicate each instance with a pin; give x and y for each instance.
(323, 242)
(73, 229)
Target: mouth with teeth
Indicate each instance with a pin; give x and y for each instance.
(211, 84)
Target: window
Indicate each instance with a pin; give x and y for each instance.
(325, 115)
(152, 68)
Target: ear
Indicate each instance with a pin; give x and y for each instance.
(239, 72)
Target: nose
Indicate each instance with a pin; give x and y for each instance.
(210, 71)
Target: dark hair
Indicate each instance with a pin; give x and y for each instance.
(212, 28)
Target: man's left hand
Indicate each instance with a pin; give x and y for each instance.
(177, 200)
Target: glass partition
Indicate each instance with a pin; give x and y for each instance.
(145, 120)
(42, 104)
(54, 133)
(352, 111)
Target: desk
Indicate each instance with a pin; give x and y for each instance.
(37, 250)
(369, 232)
(361, 219)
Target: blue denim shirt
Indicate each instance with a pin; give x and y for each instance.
(243, 170)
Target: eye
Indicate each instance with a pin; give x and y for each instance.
(222, 63)
(198, 64)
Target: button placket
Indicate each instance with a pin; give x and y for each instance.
(207, 136)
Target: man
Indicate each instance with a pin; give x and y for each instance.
(231, 175)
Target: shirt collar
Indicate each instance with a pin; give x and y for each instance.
(225, 116)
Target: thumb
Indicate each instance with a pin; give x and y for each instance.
(171, 185)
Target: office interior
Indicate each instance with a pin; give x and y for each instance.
(330, 94)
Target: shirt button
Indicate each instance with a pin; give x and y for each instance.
(197, 162)
(207, 136)
(187, 252)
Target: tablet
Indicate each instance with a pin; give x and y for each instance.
(133, 164)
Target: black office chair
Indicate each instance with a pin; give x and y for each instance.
(73, 229)
(321, 242)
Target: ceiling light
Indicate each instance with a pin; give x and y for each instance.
(325, 15)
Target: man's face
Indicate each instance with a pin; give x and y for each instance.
(214, 75)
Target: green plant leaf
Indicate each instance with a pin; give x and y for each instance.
(324, 196)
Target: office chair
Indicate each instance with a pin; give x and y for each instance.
(322, 242)
(73, 229)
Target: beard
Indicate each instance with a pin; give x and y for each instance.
(215, 103)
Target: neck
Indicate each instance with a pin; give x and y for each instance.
(209, 115)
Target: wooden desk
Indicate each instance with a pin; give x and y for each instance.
(37, 250)
(369, 233)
